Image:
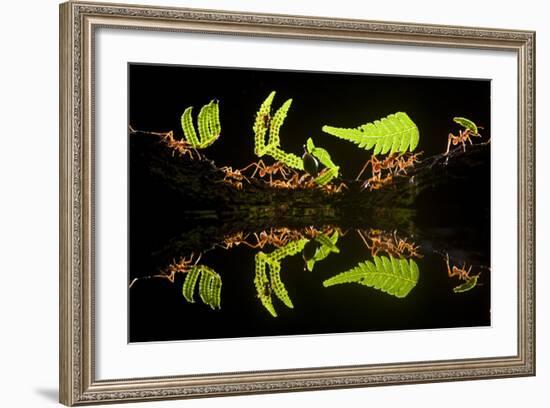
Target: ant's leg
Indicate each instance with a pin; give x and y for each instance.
(362, 170)
(253, 164)
(448, 265)
(451, 136)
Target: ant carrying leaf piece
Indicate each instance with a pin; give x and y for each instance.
(396, 133)
(265, 122)
(470, 129)
(318, 153)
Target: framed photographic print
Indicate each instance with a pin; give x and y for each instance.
(259, 203)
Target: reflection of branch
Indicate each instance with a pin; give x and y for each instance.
(182, 266)
(277, 237)
(390, 243)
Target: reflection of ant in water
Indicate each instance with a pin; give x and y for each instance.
(470, 281)
(462, 273)
(181, 266)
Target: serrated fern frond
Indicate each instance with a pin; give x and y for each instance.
(265, 122)
(396, 277)
(208, 123)
(395, 133)
(210, 286)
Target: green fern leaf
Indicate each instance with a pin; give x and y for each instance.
(262, 283)
(203, 120)
(467, 124)
(188, 128)
(277, 285)
(265, 285)
(327, 243)
(189, 283)
(290, 159)
(208, 123)
(397, 277)
(215, 292)
(264, 122)
(324, 157)
(204, 287)
(327, 176)
(290, 249)
(276, 123)
(466, 286)
(324, 250)
(210, 285)
(261, 124)
(392, 134)
(215, 126)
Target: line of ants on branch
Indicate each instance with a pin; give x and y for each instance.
(279, 175)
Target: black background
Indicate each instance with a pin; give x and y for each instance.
(158, 94)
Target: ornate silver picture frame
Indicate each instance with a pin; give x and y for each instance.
(79, 22)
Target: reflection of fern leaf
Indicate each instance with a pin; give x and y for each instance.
(324, 250)
(466, 286)
(204, 287)
(215, 292)
(396, 277)
(328, 243)
(189, 283)
(277, 285)
(292, 248)
(266, 285)
(392, 134)
(261, 282)
(210, 286)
